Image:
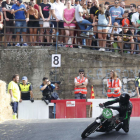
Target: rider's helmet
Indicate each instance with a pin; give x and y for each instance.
(124, 98)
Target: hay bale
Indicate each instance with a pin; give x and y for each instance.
(5, 108)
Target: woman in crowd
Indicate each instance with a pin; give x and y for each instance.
(68, 16)
(1, 24)
(45, 13)
(32, 14)
(104, 19)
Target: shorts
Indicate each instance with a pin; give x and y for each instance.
(103, 28)
(20, 24)
(33, 24)
(15, 107)
(9, 23)
(69, 25)
(41, 21)
(60, 24)
(90, 32)
(80, 96)
(127, 46)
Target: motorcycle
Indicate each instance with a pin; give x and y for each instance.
(105, 122)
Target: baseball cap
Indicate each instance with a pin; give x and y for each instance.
(20, 1)
(24, 78)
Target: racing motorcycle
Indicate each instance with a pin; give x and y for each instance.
(104, 123)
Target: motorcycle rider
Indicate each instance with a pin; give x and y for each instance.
(124, 109)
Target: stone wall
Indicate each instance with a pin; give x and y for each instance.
(35, 63)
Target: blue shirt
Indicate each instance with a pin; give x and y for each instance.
(116, 12)
(19, 14)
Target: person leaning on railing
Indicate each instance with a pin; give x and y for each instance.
(127, 37)
(1, 24)
(32, 14)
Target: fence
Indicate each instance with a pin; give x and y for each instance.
(57, 35)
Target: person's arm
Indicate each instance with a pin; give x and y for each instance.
(14, 11)
(43, 87)
(50, 13)
(20, 97)
(27, 19)
(36, 14)
(109, 23)
(10, 91)
(112, 32)
(94, 19)
(1, 17)
(31, 94)
(40, 11)
(111, 102)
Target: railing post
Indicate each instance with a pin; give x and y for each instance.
(5, 45)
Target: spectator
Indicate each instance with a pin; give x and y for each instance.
(127, 37)
(57, 13)
(81, 21)
(32, 14)
(25, 90)
(116, 12)
(68, 16)
(138, 22)
(1, 5)
(20, 11)
(93, 12)
(138, 40)
(45, 14)
(6, 8)
(73, 3)
(137, 84)
(1, 25)
(47, 88)
(107, 4)
(13, 90)
(114, 32)
(133, 10)
(125, 20)
(105, 20)
(135, 17)
(122, 4)
(80, 85)
(90, 33)
(35, 5)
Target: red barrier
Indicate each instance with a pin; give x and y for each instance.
(71, 108)
(136, 107)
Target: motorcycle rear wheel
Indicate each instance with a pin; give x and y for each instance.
(90, 129)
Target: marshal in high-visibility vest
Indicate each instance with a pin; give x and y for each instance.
(26, 89)
(137, 84)
(114, 86)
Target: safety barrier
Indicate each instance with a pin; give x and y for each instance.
(36, 110)
(70, 108)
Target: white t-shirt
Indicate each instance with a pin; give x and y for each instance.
(135, 17)
(77, 15)
(58, 8)
(75, 80)
(114, 32)
(120, 83)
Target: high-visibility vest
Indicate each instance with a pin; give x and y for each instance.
(24, 89)
(114, 90)
(80, 90)
(138, 80)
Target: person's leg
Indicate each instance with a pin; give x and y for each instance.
(100, 37)
(120, 44)
(31, 36)
(132, 45)
(24, 31)
(72, 34)
(62, 32)
(18, 25)
(104, 36)
(67, 33)
(41, 33)
(82, 26)
(48, 37)
(86, 22)
(35, 37)
(77, 96)
(83, 96)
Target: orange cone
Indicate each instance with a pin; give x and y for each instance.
(92, 93)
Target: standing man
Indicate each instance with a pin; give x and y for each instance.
(25, 90)
(137, 84)
(6, 8)
(13, 90)
(47, 88)
(116, 12)
(133, 10)
(80, 82)
(114, 86)
(19, 10)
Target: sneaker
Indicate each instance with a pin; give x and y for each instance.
(25, 44)
(80, 47)
(17, 45)
(83, 35)
(8, 44)
(100, 49)
(103, 49)
(71, 46)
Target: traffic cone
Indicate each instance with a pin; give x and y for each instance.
(92, 93)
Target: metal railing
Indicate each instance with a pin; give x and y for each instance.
(56, 35)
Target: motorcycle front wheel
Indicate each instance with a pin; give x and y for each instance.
(90, 129)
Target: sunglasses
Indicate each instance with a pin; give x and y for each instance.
(89, 2)
(131, 6)
(81, 73)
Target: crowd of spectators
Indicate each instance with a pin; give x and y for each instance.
(98, 24)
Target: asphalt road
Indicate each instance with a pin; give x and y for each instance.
(62, 129)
